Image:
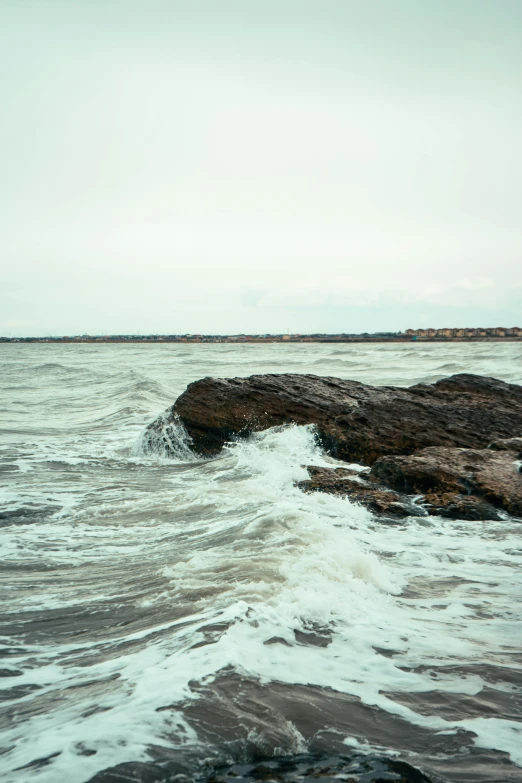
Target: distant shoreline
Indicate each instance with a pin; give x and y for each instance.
(250, 340)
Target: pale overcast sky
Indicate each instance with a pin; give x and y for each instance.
(258, 165)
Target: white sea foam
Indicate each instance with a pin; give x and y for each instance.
(143, 550)
(166, 438)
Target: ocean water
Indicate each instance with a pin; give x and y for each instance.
(200, 611)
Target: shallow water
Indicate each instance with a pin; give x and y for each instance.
(161, 608)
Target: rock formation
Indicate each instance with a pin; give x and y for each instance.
(355, 422)
(351, 484)
(469, 484)
(453, 476)
(451, 442)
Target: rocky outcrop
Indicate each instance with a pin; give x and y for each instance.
(450, 442)
(350, 484)
(354, 422)
(508, 444)
(387, 503)
(466, 484)
(463, 483)
(453, 505)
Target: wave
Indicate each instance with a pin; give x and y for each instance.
(164, 438)
(174, 594)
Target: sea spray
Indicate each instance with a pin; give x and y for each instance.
(190, 608)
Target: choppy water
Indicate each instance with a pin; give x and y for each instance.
(156, 608)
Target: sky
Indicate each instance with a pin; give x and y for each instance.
(259, 166)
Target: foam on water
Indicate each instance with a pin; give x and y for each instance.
(167, 439)
(112, 590)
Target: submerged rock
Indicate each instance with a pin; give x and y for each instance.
(354, 421)
(461, 483)
(132, 772)
(302, 768)
(359, 768)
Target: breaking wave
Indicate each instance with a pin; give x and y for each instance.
(161, 606)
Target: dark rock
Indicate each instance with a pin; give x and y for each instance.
(343, 482)
(470, 481)
(27, 515)
(454, 506)
(18, 691)
(38, 763)
(311, 639)
(301, 768)
(444, 477)
(354, 422)
(429, 439)
(131, 772)
(309, 768)
(508, 444)
(277, 640)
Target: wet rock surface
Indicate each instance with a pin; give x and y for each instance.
(452, 505)
(388, 503)
(467, 483)
(463, 484)
(300, 768)
(330, 768)
(451, 446)
(507, 444)
(355, 422)
(348, 483)
(27, 515)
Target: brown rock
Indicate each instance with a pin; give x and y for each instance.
(507, 444)
(355, 422)
(454, 506)
(444, 475)
(385, 502)
(342, 482)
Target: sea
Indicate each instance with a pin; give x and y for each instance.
(172, 609)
